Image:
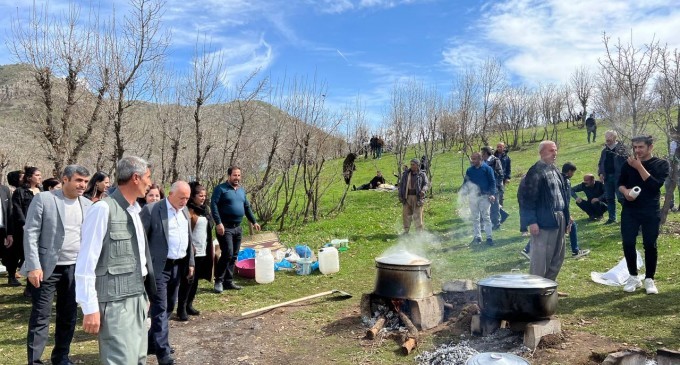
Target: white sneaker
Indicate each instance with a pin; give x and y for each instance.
(632, 283)
(650, 287)
(3, 269)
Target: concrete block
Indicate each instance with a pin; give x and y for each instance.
(667, 357)
(459, 292)
(627, 357)
(535, 330)
(483, 326)
(426, 313)
(366, 306)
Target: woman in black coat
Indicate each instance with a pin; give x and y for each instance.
(204, 252)
(21, 199)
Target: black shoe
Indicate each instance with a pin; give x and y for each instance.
(192, 311)
(489, 241)
(476, 241)
(609, 221)
(182, 315)
(168, 360)
(504, 216)
(354, 188)
(496, 227)
(231, 286)
(12, 281)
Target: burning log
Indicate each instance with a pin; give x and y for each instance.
(372, 333)
(411, 336)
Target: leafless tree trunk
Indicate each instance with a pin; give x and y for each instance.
(56, 46)
(582, 82)
(630, 70)
(138, 48)
(669, 92)
(491, 84)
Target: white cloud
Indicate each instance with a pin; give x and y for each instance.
(341, 6)
(544, 41)
(245, 56)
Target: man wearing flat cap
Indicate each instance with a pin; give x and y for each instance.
(412, 187)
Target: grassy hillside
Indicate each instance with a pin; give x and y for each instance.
(372, 221)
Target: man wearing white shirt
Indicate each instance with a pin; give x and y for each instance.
(112, 266)
(168, 232)
(51, 245)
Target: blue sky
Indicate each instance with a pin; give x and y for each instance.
(360, 48)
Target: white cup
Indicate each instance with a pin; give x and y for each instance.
(634, 192)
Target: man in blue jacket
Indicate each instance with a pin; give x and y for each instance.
(482, 195)
(545, 210)
(228, 205)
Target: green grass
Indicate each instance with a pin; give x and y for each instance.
(372, 220)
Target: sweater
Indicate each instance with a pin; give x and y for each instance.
(229, 205)
(650, 193)
(483, 177)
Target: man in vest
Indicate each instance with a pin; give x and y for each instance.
(111, 268)
(51, 245)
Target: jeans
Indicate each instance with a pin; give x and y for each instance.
(62, 283)
(480, 205)
(573, 240)
(631, 222)
(230, 244)
(612, 193)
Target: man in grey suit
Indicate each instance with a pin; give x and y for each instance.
(51, 245)
(168, 231)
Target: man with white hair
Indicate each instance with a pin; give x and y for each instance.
(168, 231)
(612, 159)
(545, 210)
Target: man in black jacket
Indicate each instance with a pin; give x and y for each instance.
(545, 210)
(594, 203)
(591, 127)
(640, 183)
(612, 158)
(373, 184)
(501, 153)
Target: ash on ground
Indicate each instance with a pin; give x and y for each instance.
(392, 322)
(503, 340)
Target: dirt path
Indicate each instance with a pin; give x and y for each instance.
(277, 338)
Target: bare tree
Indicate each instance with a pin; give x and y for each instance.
(491, 81)
(582, 83)
(668, 89)
(465, 96)
(61, 52)
(204, 87)
(516, 104)
(630, 70)
(400, 119)
(138, 48)
(428, 131)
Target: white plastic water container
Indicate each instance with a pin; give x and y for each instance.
(329, 261)
(264, 266)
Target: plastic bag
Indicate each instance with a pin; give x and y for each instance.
(246, 253)
(303, 251)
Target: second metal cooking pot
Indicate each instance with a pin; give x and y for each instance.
(519, 297)
(403, 275)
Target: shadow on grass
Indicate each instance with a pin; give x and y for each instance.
(622, 304)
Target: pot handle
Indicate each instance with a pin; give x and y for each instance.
(428, 272)
(548, 292)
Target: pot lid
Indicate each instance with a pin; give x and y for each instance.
(517, 281)
(402, 257)
(495, 358)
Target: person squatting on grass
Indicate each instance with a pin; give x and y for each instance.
(480, 181)
(641, 213)
(412, 187)
(545, 208)
(594, 203)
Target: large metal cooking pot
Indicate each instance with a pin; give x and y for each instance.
(495, 358)
(519, 297)
(403, 275)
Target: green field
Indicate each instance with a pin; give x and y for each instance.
(372, 221)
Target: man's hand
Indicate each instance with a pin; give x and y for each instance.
(257, 227)
(602, 178)
(191, 272)
(9, 241)
(492, 198)
(422, 194)
(506, 181)
(626, 193)
(578, 200)
(533, 229)
(594, 200)
(220, 229)
(571, 221)
(634, 163)
(91, 323)
(35, 277)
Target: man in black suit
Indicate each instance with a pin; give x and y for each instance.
(5, 212)
(168, 231)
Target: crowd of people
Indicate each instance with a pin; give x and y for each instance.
(124, 253)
